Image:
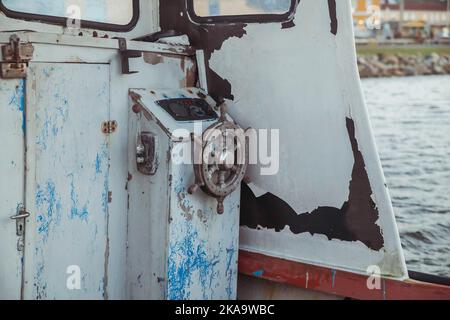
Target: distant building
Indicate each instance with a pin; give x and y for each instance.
(431, 17)
(433, 12)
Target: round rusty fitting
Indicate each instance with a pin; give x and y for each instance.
(137, 108)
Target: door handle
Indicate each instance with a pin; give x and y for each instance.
(20, 227)
(20, 215)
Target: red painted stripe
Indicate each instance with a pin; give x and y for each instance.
(340, 283)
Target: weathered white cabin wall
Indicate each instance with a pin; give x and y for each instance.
(304, 82)
(12, 104)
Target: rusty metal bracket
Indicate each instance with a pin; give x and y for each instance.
(126, 55)
(109, 126)
(16, 56)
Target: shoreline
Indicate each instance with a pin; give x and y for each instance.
(402, 65)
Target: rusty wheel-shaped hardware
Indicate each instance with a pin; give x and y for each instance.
(223, 162)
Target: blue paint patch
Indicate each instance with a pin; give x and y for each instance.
(42, 139)
(17, 101)
(101, 287)
(40, 285)
(53, 123)
(187, 258)
(102, 160)
(105, 194)
(49, 206)
(46, 72)
(76, 212)
(18, 95)
(98, 164)
(231, 273)
(178, 186)
(258, 273)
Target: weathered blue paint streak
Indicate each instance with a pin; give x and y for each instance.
(17, 101)
(18, 96)
(258, 273)
(76, 212)
(187, 258)
(46, 72)
(53, 123)
(105, 194)
(40, 285)
(102, 161)
(49, 208)
(98, 164)
(231, 272)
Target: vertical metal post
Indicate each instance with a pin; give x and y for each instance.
(448, 14)
(402, 12)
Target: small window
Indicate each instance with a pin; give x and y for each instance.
(241, 10)
(99, 14)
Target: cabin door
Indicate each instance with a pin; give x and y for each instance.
(12, 130)
(67, 189)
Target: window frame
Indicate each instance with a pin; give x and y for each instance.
(244, 18)
(85, 24)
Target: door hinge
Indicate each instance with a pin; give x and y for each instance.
(109, 126)
(16, 56)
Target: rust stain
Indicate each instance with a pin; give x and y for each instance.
(191, 75)
(187, 210)
(174, 16)
(202, 216)
(153, 58)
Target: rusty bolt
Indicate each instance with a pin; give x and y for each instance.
(137, 108)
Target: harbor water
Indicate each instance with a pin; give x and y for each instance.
(411, 121)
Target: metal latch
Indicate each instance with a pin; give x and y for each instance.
(109, 126)
(16, 56)
(147, 153)
(20, 219)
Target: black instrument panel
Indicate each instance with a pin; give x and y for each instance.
(188, 109)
